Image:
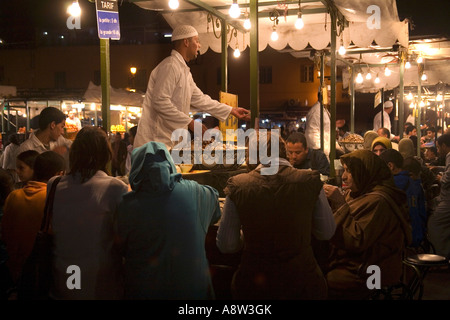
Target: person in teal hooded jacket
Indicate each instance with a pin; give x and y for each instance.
(162, 225)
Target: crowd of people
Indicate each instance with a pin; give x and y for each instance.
(136, 229)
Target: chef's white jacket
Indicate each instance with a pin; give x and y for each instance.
(171, 95)
(312, 129)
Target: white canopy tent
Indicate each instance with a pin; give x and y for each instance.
(368, 21)
(118, 96)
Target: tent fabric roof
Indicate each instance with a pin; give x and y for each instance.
(316, 31)
(117, 96)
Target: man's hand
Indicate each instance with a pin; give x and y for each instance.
(194, 123)
(241, 113)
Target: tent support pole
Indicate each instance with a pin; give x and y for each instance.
(106, 80)
(333, 94)
(224, 57)
(254, 65)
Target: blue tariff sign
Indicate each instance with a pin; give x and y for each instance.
(108, 19)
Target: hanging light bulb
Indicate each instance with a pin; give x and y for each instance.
(387, 71)
(377, 79)
(274, 35)
(247, 23)
(236, 53)
(419, 59)
(421, 104)
(409, 96)
(439, 97)
(412, 105)
(342, 48)
(299, 24)
(424, 77)
(407, 65)
(359, 78)
(368, 76)
(74, 9)
(234, 12)
(174, 4)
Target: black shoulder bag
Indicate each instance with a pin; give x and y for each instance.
(36, 278)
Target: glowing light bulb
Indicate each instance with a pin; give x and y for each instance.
(377, 79)
(74, 9)
(234, 12)
(236, 53)
(419, 60)
(247, 24)
(409, 96)
(387, 72)
(407, 65)
(424, 77)
(174, 4)
(299, 24)
(368, 76)
(359, 78)
(274, 35)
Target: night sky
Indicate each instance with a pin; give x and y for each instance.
(19, 18)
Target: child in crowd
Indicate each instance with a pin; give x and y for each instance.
(24, 209)
(24, 167)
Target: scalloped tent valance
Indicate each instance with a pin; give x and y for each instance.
(369, 21)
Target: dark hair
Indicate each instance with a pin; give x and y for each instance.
(432, 129)
(270, 136)
(344, 127)
(392, 155)
(433, 149)
(28, 157)
(89, 153)
(47, 165)
(385, 131)
(6, 185)
(297, 137)
(133, 131)
(412, 165)
(444, 139)
(14, 139)
(410, 129)
(48, 115)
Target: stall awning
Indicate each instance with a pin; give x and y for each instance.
(117, 96)
(8, 91)
(369, 21)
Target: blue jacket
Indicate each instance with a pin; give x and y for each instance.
(162, 224)
(416, 204)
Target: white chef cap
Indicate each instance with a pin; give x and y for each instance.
(388, 104)
(183, 32)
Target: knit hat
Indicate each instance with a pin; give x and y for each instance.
(382, 140)
(388, 104)
(183, 32)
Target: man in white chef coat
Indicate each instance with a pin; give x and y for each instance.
(172, 94)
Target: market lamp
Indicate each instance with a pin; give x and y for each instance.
(299, 24)
(342, 49)
(133, 70)
(377, 79)
(274, 35)
(247, 23)
(234, 11)
(359, 78)
(387, 71)
(174, 4)
(74, 9)
(407, 65)
(237, 53)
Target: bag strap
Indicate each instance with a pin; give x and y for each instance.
(48, 210)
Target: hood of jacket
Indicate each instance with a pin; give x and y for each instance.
(152, 169)
(33, 187)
